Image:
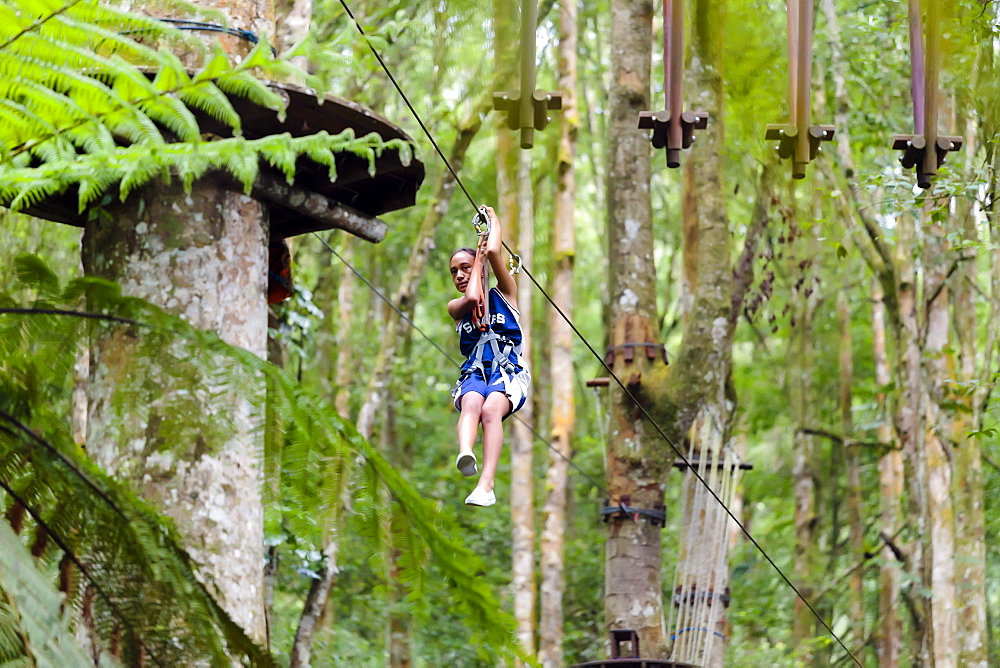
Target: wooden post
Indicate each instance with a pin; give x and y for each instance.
(931, 64)
(803, 88)
(672, 128)
(529, 20)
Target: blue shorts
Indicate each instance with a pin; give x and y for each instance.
(516, 388)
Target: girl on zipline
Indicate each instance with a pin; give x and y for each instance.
(494, 381)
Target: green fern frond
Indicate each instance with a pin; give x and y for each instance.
(207, 97)
(31, 611)
(278, 153)
(24, 186)
(71, 94)
(249, 87)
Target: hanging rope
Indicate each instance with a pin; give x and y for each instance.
(481, 311)
(700, 592)
(600, 358)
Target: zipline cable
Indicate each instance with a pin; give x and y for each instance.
(617, 380)
(434, 343)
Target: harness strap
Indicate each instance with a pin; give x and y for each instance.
(501, 357)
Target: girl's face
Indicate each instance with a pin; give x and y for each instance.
(461, 269)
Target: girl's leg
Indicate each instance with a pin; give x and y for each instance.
(494, 408)
(468, 420)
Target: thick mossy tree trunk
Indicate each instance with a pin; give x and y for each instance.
(193, 451)
(203, 256)
(632, 580)
(553, 543)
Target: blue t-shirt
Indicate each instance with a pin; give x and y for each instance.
(504, 320)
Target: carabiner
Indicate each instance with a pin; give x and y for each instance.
(515, 264)
(481, 222)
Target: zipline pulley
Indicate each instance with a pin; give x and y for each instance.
(673, 128)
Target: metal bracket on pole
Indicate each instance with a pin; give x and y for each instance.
(924, 70)
(672, 128)
(799, 140)
(787, 137)
(527, 109)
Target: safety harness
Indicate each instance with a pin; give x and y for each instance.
(502, 347)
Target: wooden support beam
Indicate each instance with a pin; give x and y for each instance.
(321, 213)
(527, 109)
(925, 150)
(799, 139)
(672, 128)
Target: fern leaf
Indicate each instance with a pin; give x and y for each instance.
(45, 637)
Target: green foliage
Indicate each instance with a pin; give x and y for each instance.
(33, 624)
(88, 101)
(121, 546)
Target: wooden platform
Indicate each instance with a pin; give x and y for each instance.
(313, 203)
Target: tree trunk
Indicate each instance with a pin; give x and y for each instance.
(506, 27)
(314, 608)
(852, 460)
(344, 369)
(522, 506)
(802, 398)
(292, 19)
(203, 256)
(557, 490)
(632, 578)
(909, 425)
(890, 470)
(967, 483)
(939, 542)
(399, 634)
(514, 193)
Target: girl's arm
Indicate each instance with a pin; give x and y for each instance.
(459, 306)
(505, 282)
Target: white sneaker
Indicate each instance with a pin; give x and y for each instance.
(480, 498)
(466, 463)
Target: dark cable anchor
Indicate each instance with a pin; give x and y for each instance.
(656, 516)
